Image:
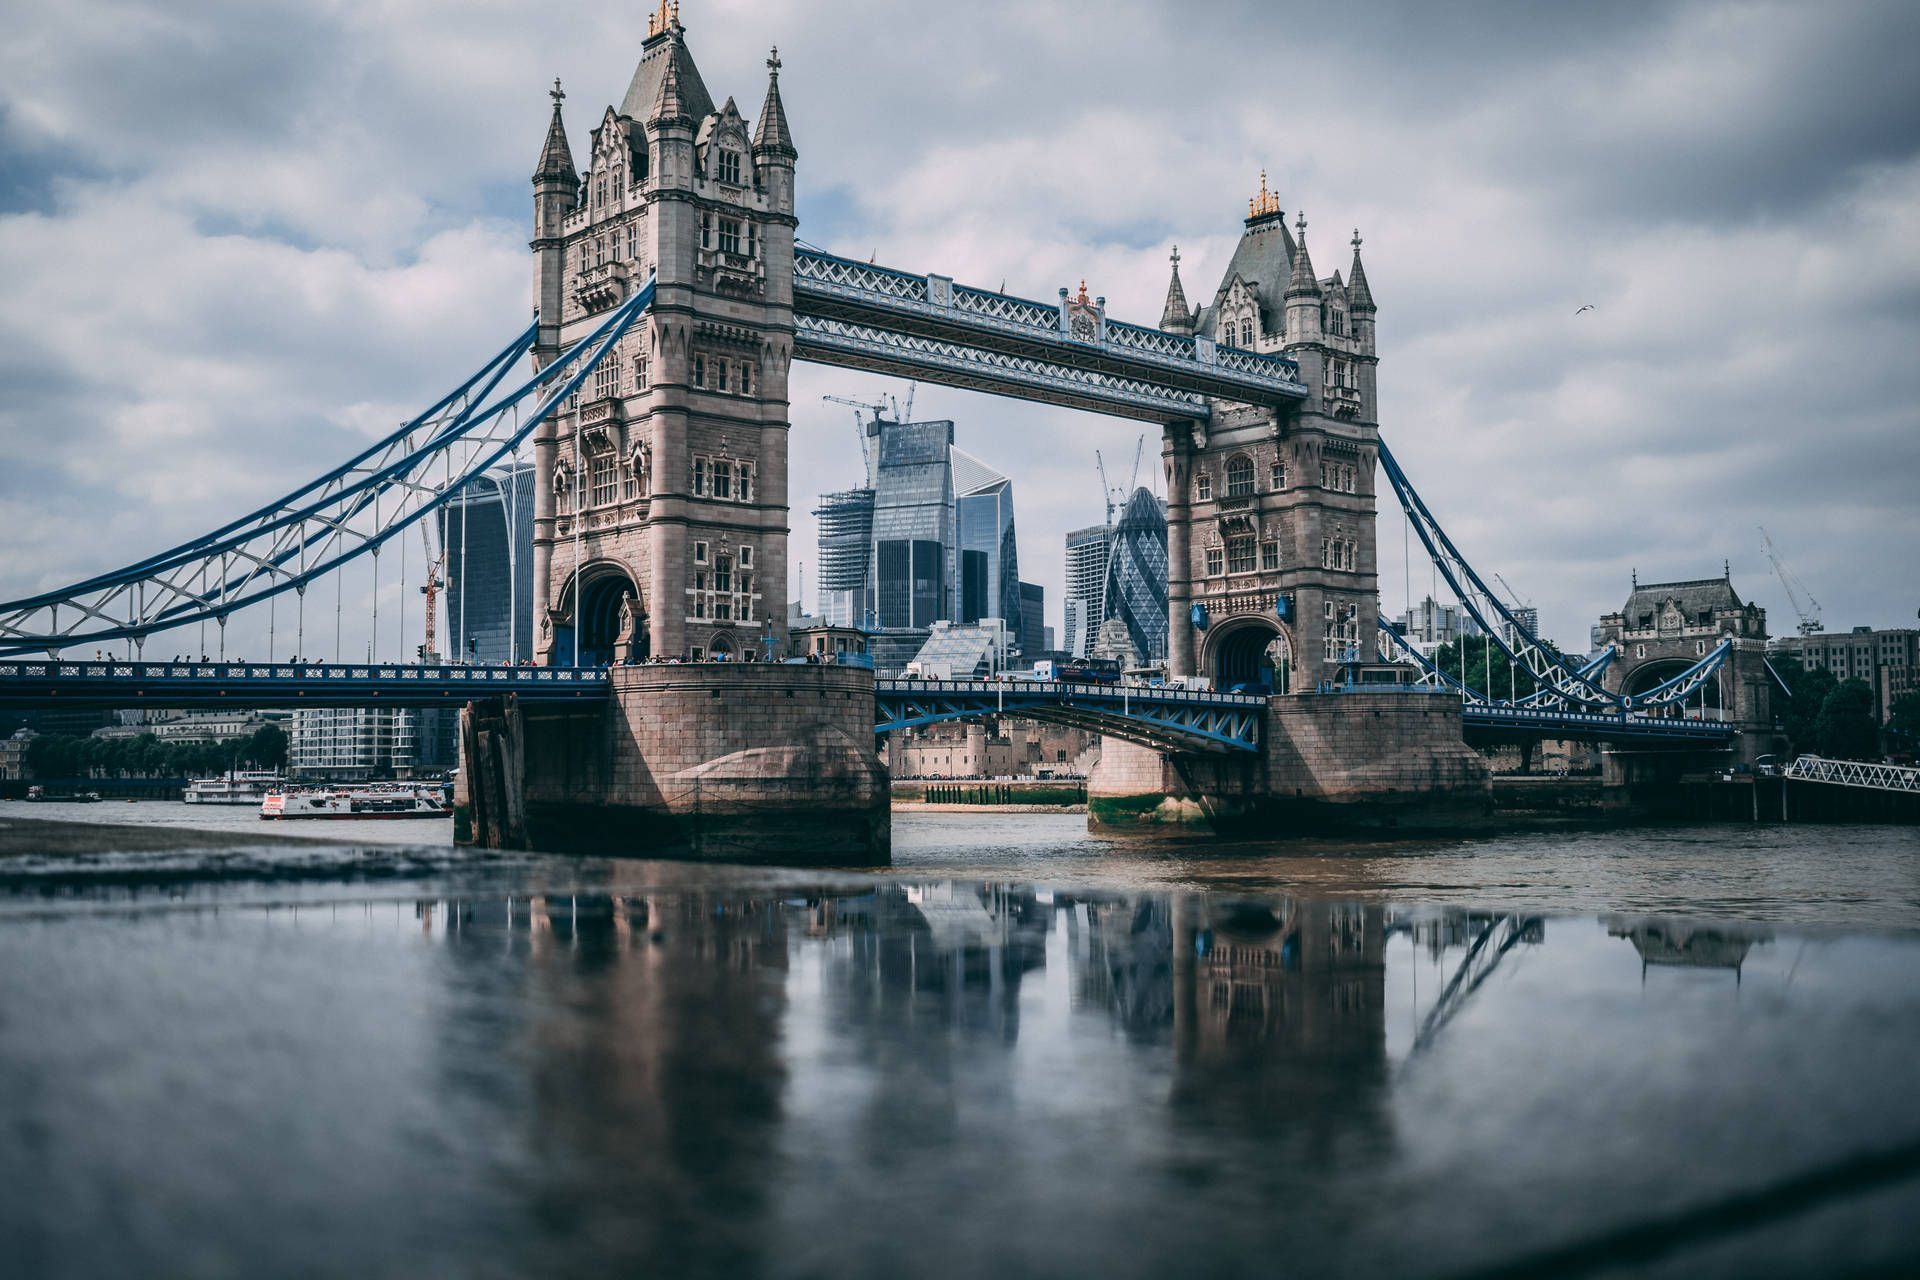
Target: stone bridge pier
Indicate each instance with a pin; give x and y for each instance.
(1386, 760)
(734, 762)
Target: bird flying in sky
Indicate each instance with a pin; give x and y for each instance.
(1588, 307)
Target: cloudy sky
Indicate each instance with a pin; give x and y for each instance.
(240, 237)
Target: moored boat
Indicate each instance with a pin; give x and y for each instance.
(241, 787)
(391, 801)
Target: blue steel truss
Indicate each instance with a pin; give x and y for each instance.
(861, 316)
(49, 683)
(350, 512)
(1561, 683)
(1532, 717)
(1156, 716)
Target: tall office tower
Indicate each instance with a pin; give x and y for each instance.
(1136, 578)
(913, 525)
(846, 556)
(1032, 635)
(989, 564)
(1085, 587)
(486, 531)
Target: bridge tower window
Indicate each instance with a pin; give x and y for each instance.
(1269, 557)
(1239, 555)
(604, 485)
(1203, 487)
(1215, 561)
(722, 479)
(730, 166)
(730, 235)
(1240, 476)
(1246, 332)
(1278, 476)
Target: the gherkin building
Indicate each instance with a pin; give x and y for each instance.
(1136, 587)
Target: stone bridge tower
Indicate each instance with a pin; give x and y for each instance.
(1270, 516)
(661, 515)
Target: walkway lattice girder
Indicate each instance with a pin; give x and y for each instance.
(864, 316)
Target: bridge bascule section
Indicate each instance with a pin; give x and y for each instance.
(672, 297)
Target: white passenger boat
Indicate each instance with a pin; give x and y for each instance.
(396, 801)
(243, 787)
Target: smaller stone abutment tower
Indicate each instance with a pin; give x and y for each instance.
(1270, 515)
(661, 515)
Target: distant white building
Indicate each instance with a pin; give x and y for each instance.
(1430, 624)
(352, 742)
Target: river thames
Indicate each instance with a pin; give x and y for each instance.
(1663, 1051)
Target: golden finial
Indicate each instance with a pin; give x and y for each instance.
(663, 18)
(1082, 299)
(1264, 203)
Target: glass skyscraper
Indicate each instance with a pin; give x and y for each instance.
(486, 531)
(1136, 577)
(930, 538)
(846, 556)
(989, 577)
(1086, 587)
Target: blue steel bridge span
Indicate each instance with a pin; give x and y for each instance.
(1160, 716)
(847, 313)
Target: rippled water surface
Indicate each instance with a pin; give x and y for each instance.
(1021, 1052)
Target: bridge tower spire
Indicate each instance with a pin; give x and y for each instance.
(661, 516)
(1175, 317)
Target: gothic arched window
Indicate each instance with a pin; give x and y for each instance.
(1246, 331)
(1240, 476)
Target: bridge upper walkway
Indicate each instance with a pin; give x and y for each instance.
(861, 316)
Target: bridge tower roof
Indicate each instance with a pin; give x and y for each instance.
(666, 84)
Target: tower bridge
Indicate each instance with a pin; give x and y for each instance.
(672, 297)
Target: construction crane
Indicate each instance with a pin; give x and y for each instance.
(1511, 593)
(1810, 611)
(877, 408)
(436, 582)
(1116, 497)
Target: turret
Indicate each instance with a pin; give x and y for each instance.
(1175, 317)
(1360, 300)
(773, 149)
(556, 190)
(1303, 291)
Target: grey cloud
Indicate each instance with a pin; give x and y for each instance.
(331, 203)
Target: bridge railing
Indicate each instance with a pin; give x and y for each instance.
(312, 673)
(1136, 692)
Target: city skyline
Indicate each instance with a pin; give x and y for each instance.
(338, 274)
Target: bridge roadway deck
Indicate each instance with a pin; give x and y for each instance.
(1152, 715)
